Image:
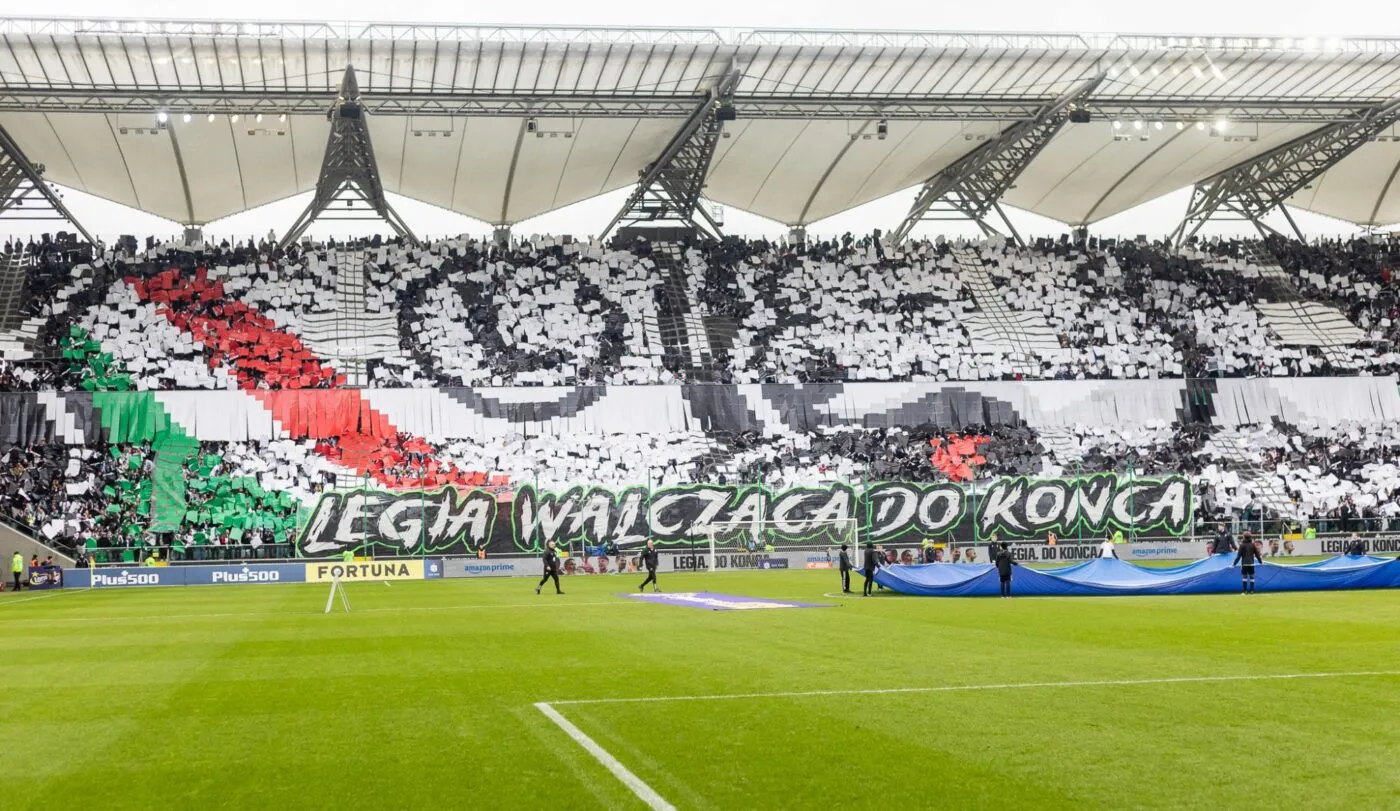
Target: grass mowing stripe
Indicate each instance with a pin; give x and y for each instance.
(646, 793)
(54, 593)
(961, 688)
(390, 610)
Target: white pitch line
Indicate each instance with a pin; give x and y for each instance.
(646, 793)
(962, 688)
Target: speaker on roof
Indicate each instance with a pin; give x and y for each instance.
(350, 110)
(1080, 116)
(725, 112)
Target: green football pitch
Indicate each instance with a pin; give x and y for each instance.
(480, 694)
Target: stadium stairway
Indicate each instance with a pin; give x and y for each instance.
(1061, 444)
(14, 540)
(995, 327)
(12, 277)
(684, 337)
(1298, 322)
(1309, 323)
(18, 341)
(349, 335)
(1234, 451)
(1275, 283)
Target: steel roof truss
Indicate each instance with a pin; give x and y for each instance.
(670, 187)
(1256, 187)
(348, 186)
(973, 185)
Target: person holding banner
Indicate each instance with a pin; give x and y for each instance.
(1004, 562)
(872, 562)
(551, 568)
(1246, 557)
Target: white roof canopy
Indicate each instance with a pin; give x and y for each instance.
(449, 105)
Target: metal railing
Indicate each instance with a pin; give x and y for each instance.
(286, 552)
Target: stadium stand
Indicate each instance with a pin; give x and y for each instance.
(460, 313)
(581, 325)
(108, 468)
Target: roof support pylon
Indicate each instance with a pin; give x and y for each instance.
(971, 187)
(670, 186)
(348, 187)
(1251, 190)
(23, 193)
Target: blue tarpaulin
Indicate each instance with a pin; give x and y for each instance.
(1110, 576)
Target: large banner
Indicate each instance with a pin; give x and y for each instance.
(456, 521)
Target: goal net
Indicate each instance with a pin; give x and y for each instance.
(759, 535)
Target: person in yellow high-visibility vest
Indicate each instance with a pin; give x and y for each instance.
(1118, 537)
(17, 567)
(347, 556)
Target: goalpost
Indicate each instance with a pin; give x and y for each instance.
(758, 534)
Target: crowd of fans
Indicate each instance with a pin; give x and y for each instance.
(1336, 478)
(549, 312)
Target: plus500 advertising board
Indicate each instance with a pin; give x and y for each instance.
(113, 577)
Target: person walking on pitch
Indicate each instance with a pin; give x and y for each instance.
(1246, 557)
(17, 568)
(649, 560)
(551, 568)
(845, 565)
(1004, 563)
(872, 562)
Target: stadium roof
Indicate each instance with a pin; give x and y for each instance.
(449, 107)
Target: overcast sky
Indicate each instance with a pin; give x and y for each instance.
(1218, 17)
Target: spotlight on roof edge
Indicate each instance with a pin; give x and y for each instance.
(1222, 124)
(282, 117)
(209, 118)
(1180, 125)
(1200, 125)
(233, 118)
(1137, 125)
(1156, 125)
(162, 117)
(1118, 125)
(186, 118)
(259, 118)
